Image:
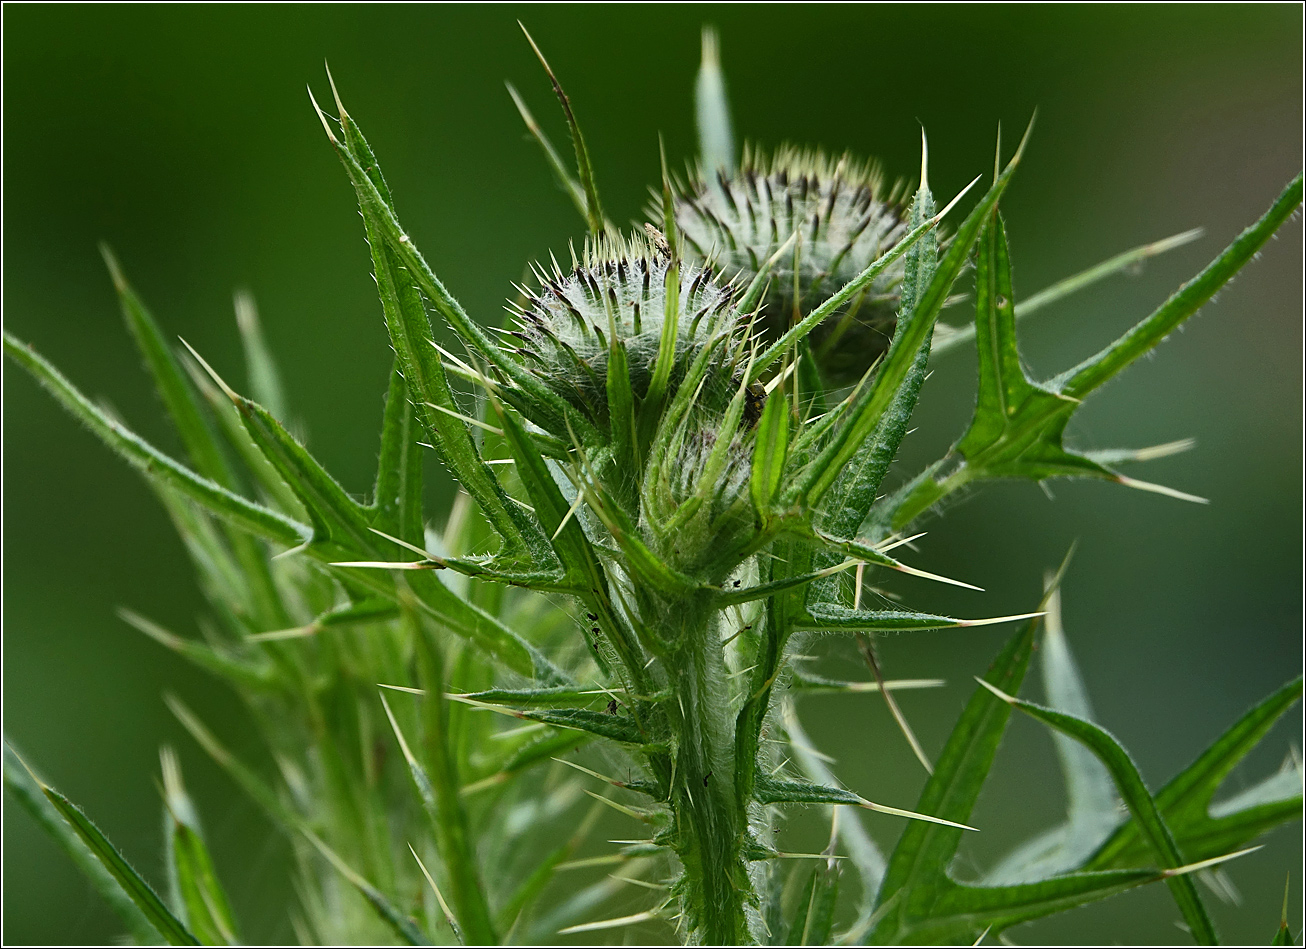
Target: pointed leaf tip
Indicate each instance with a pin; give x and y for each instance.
(322, 116)
(218, 380)
(335, 94)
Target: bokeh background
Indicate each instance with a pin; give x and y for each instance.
(183, 136)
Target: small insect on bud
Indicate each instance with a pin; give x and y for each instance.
(754, 401)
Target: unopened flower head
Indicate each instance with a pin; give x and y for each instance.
(845, 217)
(619, 288)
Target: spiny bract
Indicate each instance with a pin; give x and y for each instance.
(845, 217)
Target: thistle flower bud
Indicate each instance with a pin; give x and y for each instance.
(618, 291)
(845, 217)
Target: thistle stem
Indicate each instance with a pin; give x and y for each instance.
(710, 827)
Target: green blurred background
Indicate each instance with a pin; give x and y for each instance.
(183, 136)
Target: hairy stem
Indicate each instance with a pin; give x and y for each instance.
(710, 827)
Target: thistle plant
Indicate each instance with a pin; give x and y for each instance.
(673, 473)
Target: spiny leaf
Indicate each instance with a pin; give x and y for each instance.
(593, 209)
(26, 789)
(538, 698)
(572, 547)
(960, 912)
(769, 454)
(1129, 262)
(266, 477)
(1185, 802)
(448, 818)
(335, 515)
(615, 727)
(1019, 424)
(199, 892)
(1092, 804)
(1183, 303)
(424, 377)
(560, 171)
(550, 410)
(834, 618)
(97, 845)
(404, 927)
(815, 915)
(862, 850)
(1141, 804)
(1283, 937)
(170, 381)
(201, 654)
(151, 462)
(290, 822)
(917, 873)
(850, 499)
(397, 496)
(865, 414)
(260, 368)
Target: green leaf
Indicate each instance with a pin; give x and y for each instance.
(448, 819)
(544, 872)
(548, 409)
(397, 497)
(862, 850)
(291, 823)
(573, 549)
(815, 915)
(273, 486)
(960, 912)
(1078, 382)
(559, 168)
(769, 453)
(1018, 425)
(537, 698)
(770, 791)
(255, 592)
(614, 727)
(424, 377)
(260, 368)
(253, 785)
(198, 892)
(1128, 262)
(1201, 829)
(209, 658)
(875, 398)
(404, 927)
(178, 397)
(850, 498)
(544, 748)
(831, 617)
(26, 788)
(1283, 937)
(1093, 806)
(1141, 804)
(916, 878)
(98, 846)
(154, 464)
(337, 518)
(716, 137)
(593, 209)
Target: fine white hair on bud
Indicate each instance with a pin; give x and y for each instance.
(618, 288)
(845, 216)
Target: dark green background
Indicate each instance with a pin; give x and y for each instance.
(183, 136)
